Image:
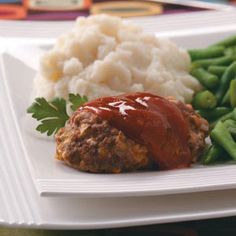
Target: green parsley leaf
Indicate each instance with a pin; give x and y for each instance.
(76, 101)
(52, 115)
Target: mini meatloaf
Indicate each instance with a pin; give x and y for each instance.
(90, 143)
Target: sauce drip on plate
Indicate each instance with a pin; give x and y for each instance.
(149, 120)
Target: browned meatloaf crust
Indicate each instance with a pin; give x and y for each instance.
(91, 144)
(198, 128)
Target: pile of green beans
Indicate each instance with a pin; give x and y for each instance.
(215, 69)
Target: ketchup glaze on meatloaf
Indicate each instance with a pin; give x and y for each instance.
(149, 120)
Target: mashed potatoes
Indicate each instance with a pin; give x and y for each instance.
(103, 56)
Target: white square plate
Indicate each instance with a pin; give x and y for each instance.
(52, 178)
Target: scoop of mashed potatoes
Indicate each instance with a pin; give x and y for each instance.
(103, 56)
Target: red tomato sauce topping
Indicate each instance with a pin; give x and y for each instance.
(149, 120)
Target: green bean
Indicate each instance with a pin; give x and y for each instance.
(215, 113)
(230, 41)
(212, 154)
(232, 93)
(220, 61)
(222, 137)
(225, 100)
(231, 126)
(217, 70)
(204, 100)
(234, 114)
(198, 54)
(207, 79)
(230, 51)
(229, 74)
(229, 115)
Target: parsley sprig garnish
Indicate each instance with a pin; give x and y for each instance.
(52, 114)
(76, 101)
